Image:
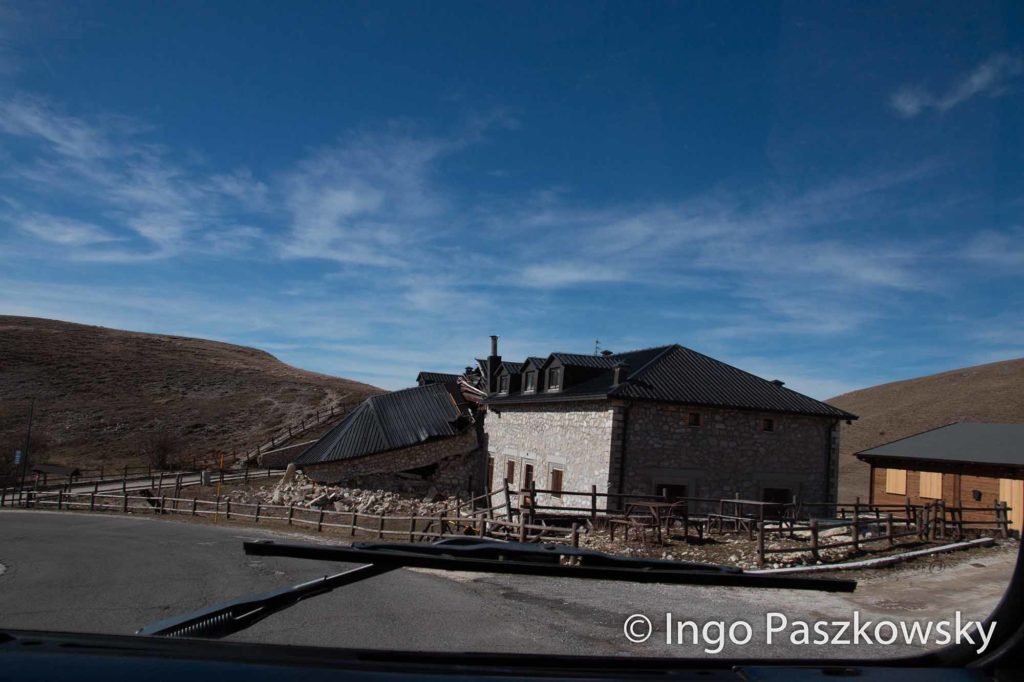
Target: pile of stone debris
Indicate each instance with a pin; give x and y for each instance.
(295, 488)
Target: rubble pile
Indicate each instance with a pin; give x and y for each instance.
(295, 488)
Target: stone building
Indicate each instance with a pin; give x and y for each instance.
(422, 440)
(664, 419)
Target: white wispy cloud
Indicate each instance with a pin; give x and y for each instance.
(990, 78)
(153, 206)
(61, 230)
(1000, 248)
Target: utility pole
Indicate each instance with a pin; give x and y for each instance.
(28, 444)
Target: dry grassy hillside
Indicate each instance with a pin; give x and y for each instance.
(985, 393)
(109, 396)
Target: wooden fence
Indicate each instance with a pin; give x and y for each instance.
(924, 522)
(460, 520)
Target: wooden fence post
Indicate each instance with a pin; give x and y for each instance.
(888, 529)
(352, 526)
(227, 508)
(291, 512)
(124, 508)
(92, 501)
(533, 501)
(163, 504)
(412, 528)
(522, 528)
(380, 527)
(941, 509)
(593, 502)
(194, 501)
(1004, 518)
(760, 543)
(855, 533)
(508, 502)
(815, 554)
(320, 521)
(257, 519)
(575, 534)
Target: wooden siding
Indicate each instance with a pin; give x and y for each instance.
(1012, 493)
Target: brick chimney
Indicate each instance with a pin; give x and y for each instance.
(620, 373)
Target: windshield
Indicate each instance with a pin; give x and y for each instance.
(696, 326)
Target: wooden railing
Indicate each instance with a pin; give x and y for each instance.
(414, 528)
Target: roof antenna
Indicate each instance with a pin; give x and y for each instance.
(597, 346)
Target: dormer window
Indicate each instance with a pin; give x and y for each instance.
(531, 382)
(503, 384)
(555, 379)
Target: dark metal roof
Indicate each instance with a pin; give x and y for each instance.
(1000, 444)
(512, 367)
(390, 421)
(534, 361)
(436, 378)
(679, 375)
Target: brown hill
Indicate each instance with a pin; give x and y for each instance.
(992, 393)
(114, 397)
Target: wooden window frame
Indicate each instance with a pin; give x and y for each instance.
(510, 471)
(504, 381)
(556, 491)
(896, 481)
(555, 372)
(768, 424)
(690, 421)
(527, 388)
(532, 469)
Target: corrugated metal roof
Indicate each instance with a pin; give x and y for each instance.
(534, 361)
(679, 375)
(437, 378)
(999, 444)
(512, 367)
(682, 375)
(390, 421)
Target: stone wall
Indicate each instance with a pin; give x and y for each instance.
(448, 466)
(729, 453)
(574, 437)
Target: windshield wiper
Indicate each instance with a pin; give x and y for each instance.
(464, 554)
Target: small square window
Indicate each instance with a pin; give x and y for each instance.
(767, 424)
(554, 378)
(693, 419)
(503, 384)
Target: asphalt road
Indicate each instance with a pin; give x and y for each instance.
(99, 573)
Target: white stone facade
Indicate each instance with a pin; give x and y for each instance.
(573, 437)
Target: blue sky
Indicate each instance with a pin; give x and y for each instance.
(827, 193)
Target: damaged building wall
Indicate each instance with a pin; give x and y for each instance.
(449, 466)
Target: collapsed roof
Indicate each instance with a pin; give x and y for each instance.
(393, 420)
